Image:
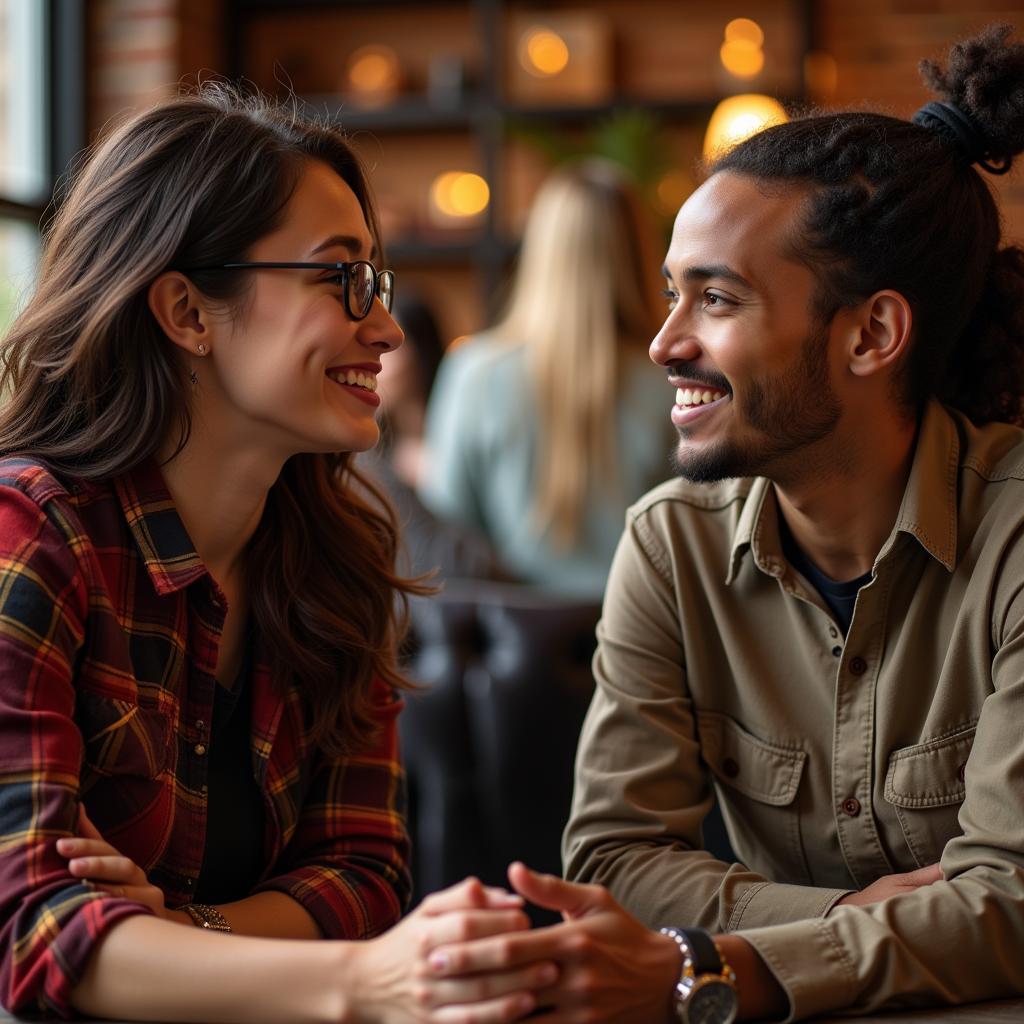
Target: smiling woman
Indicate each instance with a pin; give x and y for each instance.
(198, 687)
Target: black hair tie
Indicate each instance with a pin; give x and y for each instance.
(963, 131)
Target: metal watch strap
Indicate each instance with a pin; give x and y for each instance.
(205, 916)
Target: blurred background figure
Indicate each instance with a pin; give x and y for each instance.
(428, 544)
(542, 430)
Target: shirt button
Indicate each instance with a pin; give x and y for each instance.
(837, 651)
(858, 666)
(730, 769)
(200, 749)
(200, 725)
(851, 807)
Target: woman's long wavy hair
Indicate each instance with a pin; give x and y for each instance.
(95, 387)
(582, 293)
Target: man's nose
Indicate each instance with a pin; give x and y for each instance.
(674, 343)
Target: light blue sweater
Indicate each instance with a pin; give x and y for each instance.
(483, 437)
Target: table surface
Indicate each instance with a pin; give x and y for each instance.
(1003, 1011)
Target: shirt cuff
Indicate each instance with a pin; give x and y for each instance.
(809, 963)
(771, 903)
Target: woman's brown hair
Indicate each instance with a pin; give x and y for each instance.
(95, 388)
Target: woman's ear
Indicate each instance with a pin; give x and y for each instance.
(880, 334)
(178, 307)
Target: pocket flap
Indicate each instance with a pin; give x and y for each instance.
(929, 774)
(763, 771)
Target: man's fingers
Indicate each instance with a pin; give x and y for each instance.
(923, 876)
(553, 893)
(470, 926)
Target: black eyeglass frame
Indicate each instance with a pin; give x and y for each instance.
(386, 296)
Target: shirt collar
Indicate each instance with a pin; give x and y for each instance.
(928, 511)
(167, 550)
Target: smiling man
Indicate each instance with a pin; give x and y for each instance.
(821, 622)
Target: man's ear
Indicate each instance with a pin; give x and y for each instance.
(178, 307)
(879, 333)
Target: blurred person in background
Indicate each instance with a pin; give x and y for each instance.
(429, 543)
(542, 430)
(198, 614)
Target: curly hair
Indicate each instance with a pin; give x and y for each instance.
(894, 204)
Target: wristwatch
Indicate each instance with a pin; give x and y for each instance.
(706, 990)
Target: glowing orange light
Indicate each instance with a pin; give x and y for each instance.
(742, 58)
(543, 53)
(744, 30)
(459, 194)
(737, 118)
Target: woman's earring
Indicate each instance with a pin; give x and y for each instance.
(201, 349)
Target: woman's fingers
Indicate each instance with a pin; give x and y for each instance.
(469, 894)
(480, 988)
(86, 828)
(74, 847)
(511, 1007)
(115, 869)
(467, 926)
(500, 952)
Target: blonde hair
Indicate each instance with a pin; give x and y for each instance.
(582, 293)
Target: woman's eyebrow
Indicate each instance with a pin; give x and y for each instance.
(353, 244)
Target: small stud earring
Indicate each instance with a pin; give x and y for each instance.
(201, 349)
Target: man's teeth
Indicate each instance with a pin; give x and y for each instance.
(356, 378)
(694, 396)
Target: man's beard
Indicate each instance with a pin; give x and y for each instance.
(791, 412)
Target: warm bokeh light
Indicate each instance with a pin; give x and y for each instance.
(374, 73)
(459, 194)
(741, 57)
(543, 53)
(744, 30)
(737, 118)
(669, 194)
(821, 73)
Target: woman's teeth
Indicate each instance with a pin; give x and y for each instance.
(694, 396)
(355, 377)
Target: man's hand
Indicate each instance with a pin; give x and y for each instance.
(891, 885)
(92, 858)
(611, 968)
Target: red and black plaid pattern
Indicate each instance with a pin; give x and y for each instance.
(109, 625)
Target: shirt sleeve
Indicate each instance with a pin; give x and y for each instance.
(450, 487)
(49, 921)
(347, 862)
(641, 790)
(958, 940)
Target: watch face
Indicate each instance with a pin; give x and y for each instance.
(713, 1002)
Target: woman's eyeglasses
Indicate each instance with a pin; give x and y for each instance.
(361, 281)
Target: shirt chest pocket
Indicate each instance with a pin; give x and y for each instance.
(121, 738)
(757, 785)
(925, 785)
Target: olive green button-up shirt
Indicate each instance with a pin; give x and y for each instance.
(835, 761)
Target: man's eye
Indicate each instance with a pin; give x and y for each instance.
(714, 301)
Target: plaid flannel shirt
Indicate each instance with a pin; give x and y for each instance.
(109, 626)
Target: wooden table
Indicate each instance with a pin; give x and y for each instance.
(1003, 1011)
